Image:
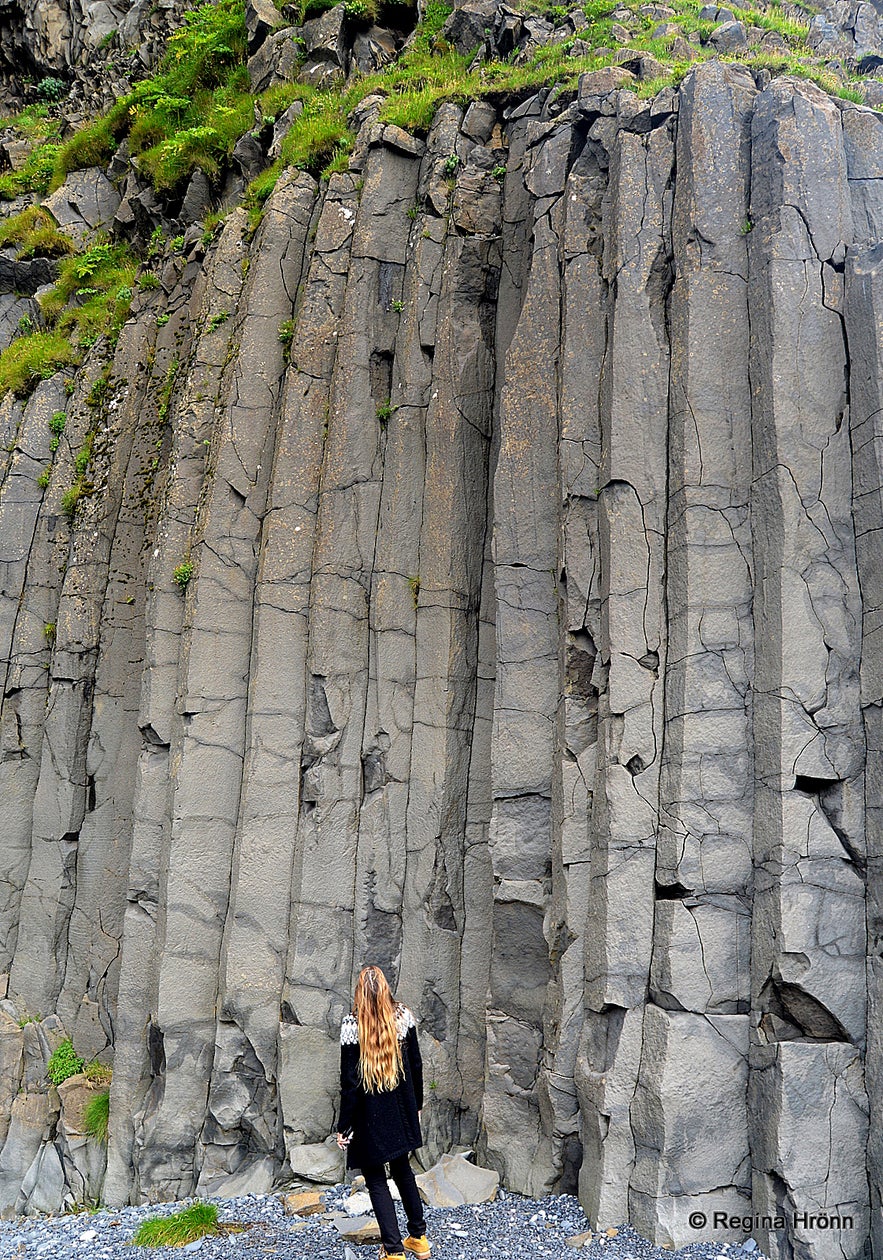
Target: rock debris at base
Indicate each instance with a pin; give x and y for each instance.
(512, 1225)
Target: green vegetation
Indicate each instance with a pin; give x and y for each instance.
(182, 574)
(165, 394)
(29, 360)
(34, 234)
(96, 1114)
(63, 1062)
(51, 89)
(220, 317)
(192, 113)
(414, 587)
(49, 632)
(81, 486)
(34, 176)
(189, 114)
(384, 413)
(92, 294)
(56, 428)
(179, 1228)
(90, 298)
(95, 1071)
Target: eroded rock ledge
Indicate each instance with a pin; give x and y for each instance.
(530, 648)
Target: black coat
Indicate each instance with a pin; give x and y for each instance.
(385, 1123)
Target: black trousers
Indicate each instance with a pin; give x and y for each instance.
(384, 1208)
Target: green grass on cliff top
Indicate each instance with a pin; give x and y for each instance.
(190, 114)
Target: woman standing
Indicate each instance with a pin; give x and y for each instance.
(381, 1088)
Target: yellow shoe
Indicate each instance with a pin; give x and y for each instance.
(391, 1255)
(418, 1247)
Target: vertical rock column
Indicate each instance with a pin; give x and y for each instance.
(331, 926)
(694, 1066)
(87, 1002)
(864, 320)
(525, 552)
(630, 664)
(806, 1092)
(583, 342)
(61, 797)
(242, 1119)
(191, 398)
(33, 542)
(209, 742)
(459, 393)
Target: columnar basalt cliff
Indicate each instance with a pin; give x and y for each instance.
(512, 621)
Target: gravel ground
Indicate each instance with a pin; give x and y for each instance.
(512, 1226)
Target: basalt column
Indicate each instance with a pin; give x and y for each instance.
(807, 1093)
(694, 1055)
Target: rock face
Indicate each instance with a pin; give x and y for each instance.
(531, 649)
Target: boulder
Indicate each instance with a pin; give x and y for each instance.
(197, 199)
(25, 275)
(357, 1229)
(454, 1180)
(277, 59)
(249, 155)
(85, 203)
(31, 1120)
(282, 126)
(325, 36)
(261, 19)
(469, 26)
(373, 49)
(730, 37)
(303, 1203)
(318, 1161)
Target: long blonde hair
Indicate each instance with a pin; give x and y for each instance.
(380, 1052)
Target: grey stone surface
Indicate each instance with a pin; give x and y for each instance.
(531, 649)
(455, 1180)
(86, 202)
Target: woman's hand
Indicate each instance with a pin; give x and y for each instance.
(343, 1142)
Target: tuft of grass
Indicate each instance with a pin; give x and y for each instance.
(82, 486)
(96, 1114)
(92, 145)
(414, 587)
(28, 360)
(49, 630)
(92, 294)
(96, 1071)
(180, 1228)
(165, 393)
(63, 1062)
(35, 234)
(34, 176)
